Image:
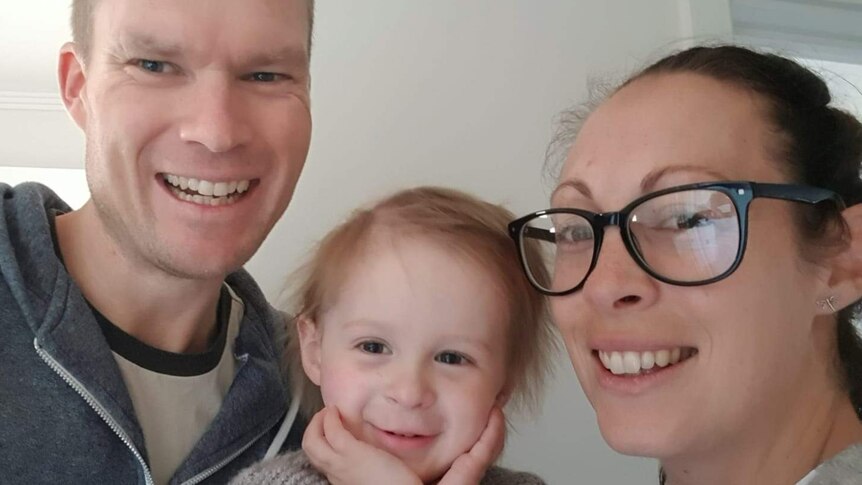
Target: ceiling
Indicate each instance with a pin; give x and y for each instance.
(32, 31)
(817, 29)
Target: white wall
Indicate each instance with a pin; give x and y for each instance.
(405, 92)
(464, 94)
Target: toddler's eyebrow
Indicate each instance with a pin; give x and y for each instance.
(481, 343)
(362, 322)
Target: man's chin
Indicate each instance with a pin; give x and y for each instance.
(201, 265)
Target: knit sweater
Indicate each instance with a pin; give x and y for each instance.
(293, 468)
(845, 468)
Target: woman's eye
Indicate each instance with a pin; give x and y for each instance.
(372, 347)
(691, 221)
(682, 218)
(575, 233)
(451, 358)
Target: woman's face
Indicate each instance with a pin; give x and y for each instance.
(747, 345)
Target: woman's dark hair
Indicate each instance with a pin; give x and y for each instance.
(818, 145)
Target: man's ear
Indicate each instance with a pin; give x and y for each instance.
(72, 76)
(845, 281)
(309, 345)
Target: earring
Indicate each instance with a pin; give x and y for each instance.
(828, 303)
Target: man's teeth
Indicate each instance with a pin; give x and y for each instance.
(636, 362)
(204, 191)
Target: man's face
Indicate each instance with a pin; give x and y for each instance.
(197, 122)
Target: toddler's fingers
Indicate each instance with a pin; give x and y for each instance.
(338, 437)
(492, 440)
(469, 468)
(315, 444)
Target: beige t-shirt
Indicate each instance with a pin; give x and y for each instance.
(175, 405)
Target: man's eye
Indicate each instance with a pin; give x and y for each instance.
(371, 347)
(265, 77)
(451, 358)
(152, 66)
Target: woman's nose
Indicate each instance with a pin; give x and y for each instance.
(617, 282)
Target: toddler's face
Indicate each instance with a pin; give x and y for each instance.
(413, 352)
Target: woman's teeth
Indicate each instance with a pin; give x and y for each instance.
(639, 362)
(205, 192)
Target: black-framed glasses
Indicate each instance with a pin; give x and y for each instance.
(688, 235)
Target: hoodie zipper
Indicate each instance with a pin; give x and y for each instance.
(218, 466)
(94, 404)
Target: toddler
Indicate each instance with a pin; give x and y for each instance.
(414, 326)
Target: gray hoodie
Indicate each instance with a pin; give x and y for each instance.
(65, 413)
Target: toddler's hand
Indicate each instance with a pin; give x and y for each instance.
(336, 453)
(469, 468)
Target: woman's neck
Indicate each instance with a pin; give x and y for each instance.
(779, 451)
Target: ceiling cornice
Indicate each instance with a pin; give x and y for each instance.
(825, 29)
(32, 101)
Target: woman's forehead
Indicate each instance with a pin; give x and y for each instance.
(669, 120)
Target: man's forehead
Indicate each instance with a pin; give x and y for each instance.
(272, 28)
(145, 43)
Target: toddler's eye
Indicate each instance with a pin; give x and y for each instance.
(372, 347)
(451, 358)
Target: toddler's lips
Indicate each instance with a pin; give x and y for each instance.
(397, 441)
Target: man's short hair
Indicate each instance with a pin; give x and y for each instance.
(82, 24)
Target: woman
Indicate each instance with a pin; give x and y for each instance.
(711, 328)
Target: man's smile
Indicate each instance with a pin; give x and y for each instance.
(206, 192)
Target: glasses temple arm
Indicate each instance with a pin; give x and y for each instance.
(541, 234)
(797, 193)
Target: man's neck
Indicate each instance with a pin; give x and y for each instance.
(161, 310)
(814, 428)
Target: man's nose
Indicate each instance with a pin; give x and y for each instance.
(215, 116)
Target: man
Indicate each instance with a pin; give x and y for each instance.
(135, 349)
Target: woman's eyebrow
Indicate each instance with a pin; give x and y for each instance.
(576, 184)
(648, 183)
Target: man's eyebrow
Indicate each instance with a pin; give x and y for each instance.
(293, 55)
(134, 42)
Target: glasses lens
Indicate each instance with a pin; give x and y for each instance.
(557, 250)
(688, 236)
